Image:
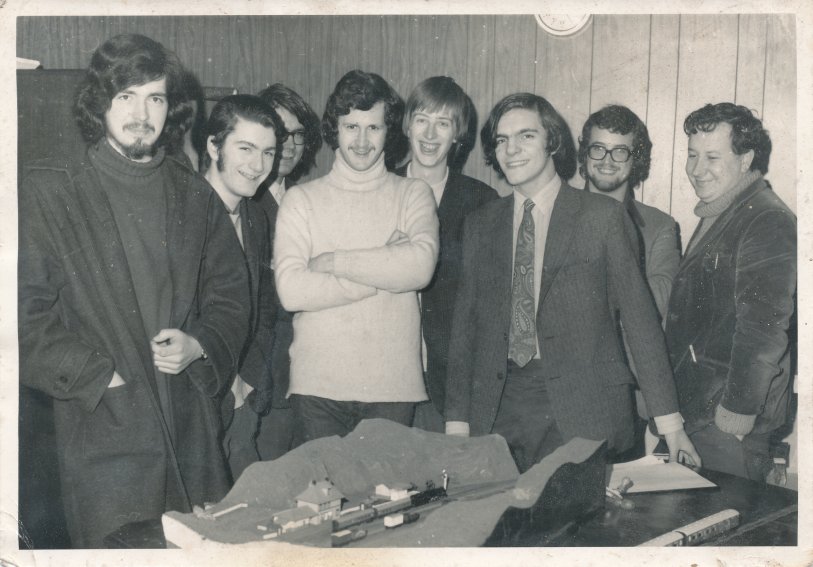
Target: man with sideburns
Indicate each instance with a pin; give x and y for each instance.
(350, 252)
(241, 146)
(133, 301)
(535, 355)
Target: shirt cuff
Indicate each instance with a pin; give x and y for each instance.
(733, 423)
(669, 423)
(459, 428)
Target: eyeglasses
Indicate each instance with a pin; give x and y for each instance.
(619, 155)
(298, 136)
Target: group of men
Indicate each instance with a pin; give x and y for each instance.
(189, 325)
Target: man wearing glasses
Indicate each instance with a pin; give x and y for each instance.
(534, 353)
(614, 157)
(297, 157)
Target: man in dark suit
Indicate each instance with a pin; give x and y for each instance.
(535, 355)
(298, 155)
(440, 123)
(241, 145)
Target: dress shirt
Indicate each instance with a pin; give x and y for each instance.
(437, 188)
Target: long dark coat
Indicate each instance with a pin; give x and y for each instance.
(590, 270)
(79, 321)
(730, 312)
(461, 196)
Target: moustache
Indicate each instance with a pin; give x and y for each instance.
(139, 127)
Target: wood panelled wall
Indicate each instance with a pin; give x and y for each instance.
(661, 66)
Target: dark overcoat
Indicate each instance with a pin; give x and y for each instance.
(79, 321)
(589, 271)
(730, 311)
(461, 196)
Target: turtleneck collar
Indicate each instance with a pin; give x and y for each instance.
(717, 206)
(105, 157)
(348, 178)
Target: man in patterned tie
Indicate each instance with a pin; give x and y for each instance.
(534, 352)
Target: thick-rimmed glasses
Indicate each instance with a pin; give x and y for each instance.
(619, 155)
(298, 136)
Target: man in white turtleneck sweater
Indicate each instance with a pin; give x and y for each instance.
(351, 250)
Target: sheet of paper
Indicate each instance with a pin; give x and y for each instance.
(650, 474)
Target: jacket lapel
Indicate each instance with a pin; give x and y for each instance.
(722, 221)
(566, 208)
(105, 236)
(251, 246)
(501, 254)
(187, 221)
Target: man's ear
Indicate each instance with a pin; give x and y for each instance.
(211, 148)
(745, 160)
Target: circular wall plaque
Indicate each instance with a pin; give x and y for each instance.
(562, 24)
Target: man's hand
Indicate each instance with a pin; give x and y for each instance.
(116, 381)
(173, 350)
(397, 237)
(681, 449)
(322, 263)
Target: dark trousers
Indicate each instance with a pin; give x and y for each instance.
(524, 417)
(238, 441)
(276, 436)
(720, 451)
(428, 418)
(317, 417)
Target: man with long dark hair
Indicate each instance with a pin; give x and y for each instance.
(133, 301)
(534, 354)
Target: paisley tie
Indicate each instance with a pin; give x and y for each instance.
(522, 343)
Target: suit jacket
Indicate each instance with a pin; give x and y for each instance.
(589, 271)
(461, 195)
(659, 236)
(255, 360)
(730, 312)
(79, 320)
(283, 330)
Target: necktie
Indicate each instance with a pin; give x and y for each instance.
(522, 335)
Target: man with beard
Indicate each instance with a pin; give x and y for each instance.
(241, 145)
(614, 157)
(133, 301)
(298, 155)
(350, 252)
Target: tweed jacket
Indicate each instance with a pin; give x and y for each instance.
(461, 195)
(79, 320)
(589, 272)
(730, 312)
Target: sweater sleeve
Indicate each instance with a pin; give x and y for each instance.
(407, 266)
(298, 287)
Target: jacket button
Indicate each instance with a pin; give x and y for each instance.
(62, 379)
(505, 336)
(500, 376)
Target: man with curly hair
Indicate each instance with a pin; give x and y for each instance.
(350, 252)
(133, 301)
(729, 327)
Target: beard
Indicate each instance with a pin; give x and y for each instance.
(138, 149)
(606, 186)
